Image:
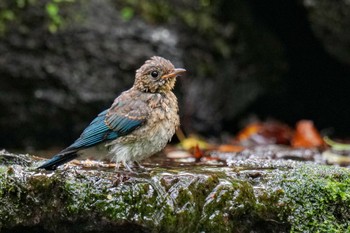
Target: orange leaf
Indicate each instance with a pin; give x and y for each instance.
(230, 148)
(248, 131)
(270, 132)
(306, 135)
(197, 153)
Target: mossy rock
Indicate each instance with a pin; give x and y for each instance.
(275, 196)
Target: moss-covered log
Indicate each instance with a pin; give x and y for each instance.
(259, 196)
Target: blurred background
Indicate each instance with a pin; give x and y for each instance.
(64, 61)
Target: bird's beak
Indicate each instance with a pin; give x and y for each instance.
(174, 74)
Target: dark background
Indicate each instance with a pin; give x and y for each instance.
(317, 81)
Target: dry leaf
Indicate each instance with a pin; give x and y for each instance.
(306, 135)
(262, 133)
(197, 152)
(193, 141)
(229, 148)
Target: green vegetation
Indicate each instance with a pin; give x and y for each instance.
(22, 13)
(199, 15)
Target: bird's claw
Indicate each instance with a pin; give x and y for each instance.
(132, 168)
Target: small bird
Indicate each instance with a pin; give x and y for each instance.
(140, 121)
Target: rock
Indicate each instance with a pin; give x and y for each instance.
(7, 158)
(330, 23)
(269, 196)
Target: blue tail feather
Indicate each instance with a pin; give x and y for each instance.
(94, 134)
(58, 160)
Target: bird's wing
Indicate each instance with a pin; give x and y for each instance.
(96, 132)
(125, 116)
(121, 119)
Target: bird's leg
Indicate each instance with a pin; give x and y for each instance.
(139, 165)
(126, 165)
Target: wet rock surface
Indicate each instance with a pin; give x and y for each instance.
(252, 195)
(330, 23)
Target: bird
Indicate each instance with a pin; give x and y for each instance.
(139, 123)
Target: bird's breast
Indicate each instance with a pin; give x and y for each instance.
(151, 137)
(163, 118)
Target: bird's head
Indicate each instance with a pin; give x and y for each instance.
(157, 75)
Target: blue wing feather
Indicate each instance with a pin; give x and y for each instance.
(97, 131)
(123, 125)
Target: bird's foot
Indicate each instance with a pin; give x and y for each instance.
(140, 167)
(133, 168)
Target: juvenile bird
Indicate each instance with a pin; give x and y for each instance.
(140, 121)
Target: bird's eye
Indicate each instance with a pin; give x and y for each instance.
(154, 74)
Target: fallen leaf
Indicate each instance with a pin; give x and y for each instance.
(335, 158)
(306, 135)
(262, 133)
(229, 148)
(336, 145)
(249, 130)
(193, 141)
(197, 152)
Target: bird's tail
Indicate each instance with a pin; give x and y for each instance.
(58, 160)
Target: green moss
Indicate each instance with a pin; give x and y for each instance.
(282, 198)
(316, 199)
(185, 201)
(164, 209)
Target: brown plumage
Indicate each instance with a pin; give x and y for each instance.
(139, 123)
